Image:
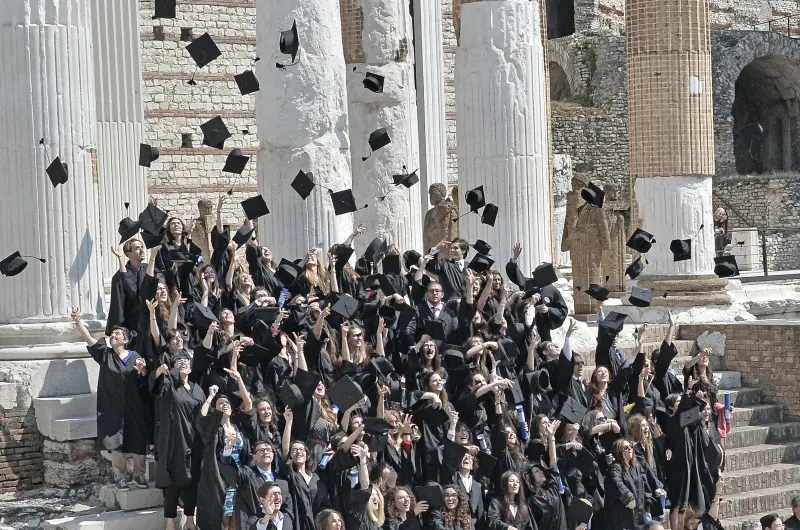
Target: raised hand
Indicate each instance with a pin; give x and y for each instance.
(151, 305)
(288, 415)
(212, 391)
(75, 314)
(117, 250)
(234, 374)
(420, 507)
(573, 325)
(517, 250)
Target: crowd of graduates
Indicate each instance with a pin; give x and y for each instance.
(386, 389)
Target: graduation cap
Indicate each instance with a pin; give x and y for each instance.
(640, 241)
(289, 44)
(434, 495)
(235, 162)
(514, 395)
(58, 172)
(255, 207)
(290, 395)
(303, 184)
(377, 139)
(593, 195)
(16, 263)
(203, 50)
(508, 350)
(345, 202)
(725, 266)
(452, 359)
(572, 410)
(612, 324)
(598, 292)
(377, 426)
(635, 268)
(538, 381)
(128, 228)
(404, 179)
(411, 258)
(544, 275)
(152, 240)
(380, 366)
(247, 82)
(153, 218)
(482, 247)
(215, 133)
(147, 154)
(179, 256)
(486, 465)
(480, 263)
(580, 511)
(689, 416)
(434, 329)
(287, 272)
(373, 82)
(307, 382)
(376, 442)
(681, 249)
(345, 393)
(267, 314)
(640, 297)
(376, 250)
(243, 235)
(165, 9)
(386, 287)
(202, 316)
(453, 454)
(391, 264)
(346, 306)
(475, 199)
(489, 215)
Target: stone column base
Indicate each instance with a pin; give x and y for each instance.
(687, 291)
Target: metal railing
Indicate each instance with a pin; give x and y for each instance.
(775, 25)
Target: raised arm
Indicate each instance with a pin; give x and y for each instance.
(117, 251)
(80, 325)
(356, 232)
(380, 337)
(298, 346)
(247, 401)
(286, 441)
(151, 263)
(533, 343)
(173, 311)
(208, 340)
(345, 352)
(219, 213)
(212, 391)
(320, 321)
(154, 331)
(485, 293)
(469, 277)
(671, 330)
(231, 250)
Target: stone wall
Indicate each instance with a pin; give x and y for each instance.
(450, 43)
(759, 351)
(20, 441)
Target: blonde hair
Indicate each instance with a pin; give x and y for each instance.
(376, 515)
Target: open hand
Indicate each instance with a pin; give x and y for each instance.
(75, 314)
(517, 249)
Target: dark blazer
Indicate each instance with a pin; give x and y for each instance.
(416, 327)
(568, 385)
(288, 521)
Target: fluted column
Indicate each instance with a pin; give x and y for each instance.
(428, 42)
(502, 126)
(378, 39)
(671, 134)
(47, 85)
(301, 113)
(118, 88)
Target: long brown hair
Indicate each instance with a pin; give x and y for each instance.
(523, 514)
(636, 435)
(326, 411)
(317, 276)
(618, 450)
(460, 515)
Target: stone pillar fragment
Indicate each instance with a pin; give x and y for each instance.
(118, 87)
(47, 84)
(301, 112)
(502, 127)
(378, 39)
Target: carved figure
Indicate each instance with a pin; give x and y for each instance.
(613, 261)
(201, 230)
(439, 221)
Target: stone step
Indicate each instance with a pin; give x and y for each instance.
(745, 480)
(135, 499)
(745, 396)
(751, 502)
(757, 415)
(760, 434)
(738, 523)
(49, 410)
(755, 456)
(150, 519)
(74, 428)
(727, 380)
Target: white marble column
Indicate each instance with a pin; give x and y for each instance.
(502, 127)
(301, 112)
(386, 39)
(47, 86)
(118, 88)
(428, 42)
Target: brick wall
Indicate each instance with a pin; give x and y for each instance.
(20, 445)
(352, 27)
(763, 352)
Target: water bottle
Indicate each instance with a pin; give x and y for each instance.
(334, 409)
(728, 408)
(560, 485)
(523, 425)
(353, 476)
(282, 297)
(482, 442)
(323, 462)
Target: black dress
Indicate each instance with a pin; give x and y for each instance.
(126, 303)
(121, 424)
(548, 510)
(496, 520)
(309, 497)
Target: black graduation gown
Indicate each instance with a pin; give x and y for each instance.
(548, 510)
(309, 498)
(255, 432)
(356, 517)
(252, 522)
(262, 275)
(412, 522)
(437, 522)
(623, 486)
(475, 497)
(496, 520)
(402, 463)
(126, 302)
(179, 450)
(451, 277)
(792, 523)
(247, 503)
(557, 309)
(121, 424)
(664, 380)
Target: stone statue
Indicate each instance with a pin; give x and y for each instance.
(439, 221)
(613, 262)
(201, 231)
(586, 234)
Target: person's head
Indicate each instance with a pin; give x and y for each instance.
(511, 434)
(355, 337)
(477, 285)
(329, 520)
(243, 282)
(600, 375)
(205, 207)
(594, 418)
(568, 432)
(356, 421)
(174, 340)
(476, 381)
(434, 293)
(437, 193)
(226, 317)
(456, 508)
(182, 363)
(772, 522)
(550, 350)
(646, 367)
(623, 453)
(497, 281)
(475, 340)
(540, 423)
(691, 519)
(638, 429)
(578, 363)
(162, 293)
(383, 475)
(428, 351)
(265, 411)
(511, 486)
(311, 258)
(796, 507)
(208, 273)
(705, 413)
(134, 250)
(433, 382)
(223, 404)
(263, 455)
(119, 337)
(400, 500)
(452, 498)
(271, 497)
(375, 507)
(467, 462)
(298, 452)
(653, 525)
(175, 228)
(720, 214)
(458, 248)
(672, 402)
(320, 390)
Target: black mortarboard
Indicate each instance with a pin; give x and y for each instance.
(307, 382)
(434, 329)
(291, 395)
(689, 416)
(406, 180)
(452, 359)
(580, 511)
(58, 172)
(452, 454)
(593, 195)
(165, 9)
(640, 241)
(153, 218)
(255, 207)
(432, 494)
(215, 133)
(391, 264)
(480, 263)
(486, 465)
(203, 50)
(203, 317)
(598, 292)
(489, 215)
(303, 184)
(343, 253)
(475, 199)
(346, 306)
(544, 275)
(247, 82)
(147, 154)
(380, 365)
(290, 42)
(514, 395)
(434, 416)
(13, 264)
(572, 410)
(179, 256)
(344, 202)
(287, 272)
(235, 162)
(153, 240)
(386, 286)
(538, 381)
(267, 314)
(243, 235)
(376, 250)
(725, 266)
(377, 139)
(345, 393)
(482, 247)
(612, 324)
(411, 258)
(508, 350)
(377, 426)
(373, 82)
(128, 228)
(640, 297)
(376, 442)
(372, 282)
(681, 249)
(635, 269)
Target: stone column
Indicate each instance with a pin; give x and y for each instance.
(301, 113)
(671, 133)
(502, 126)
(118, 88)
(428, 42)
(47, 84)
(377, 38)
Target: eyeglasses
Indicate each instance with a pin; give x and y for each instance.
(264, 451)
(451, 495)
(434, 290)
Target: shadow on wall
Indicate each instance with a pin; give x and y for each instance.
(63, 378)
(560, 18)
